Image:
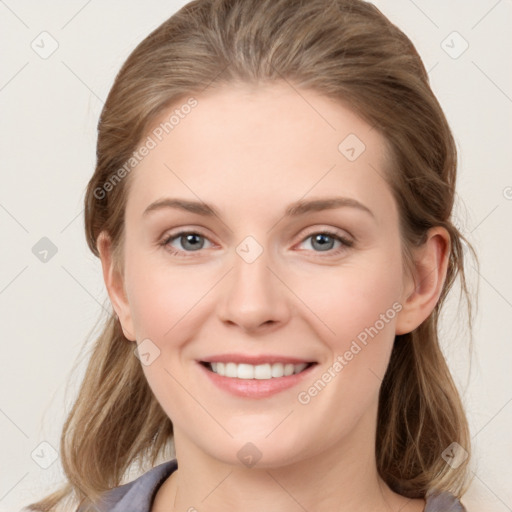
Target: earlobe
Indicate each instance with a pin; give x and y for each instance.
(115, 286)
(426, 284)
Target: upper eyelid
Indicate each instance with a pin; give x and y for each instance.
(313, 230)
(336, 232)
(173, 236)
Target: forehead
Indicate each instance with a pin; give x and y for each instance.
(244, 144)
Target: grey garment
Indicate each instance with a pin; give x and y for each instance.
(138, 496)
(135, 496)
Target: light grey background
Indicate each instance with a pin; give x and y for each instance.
(49, 110)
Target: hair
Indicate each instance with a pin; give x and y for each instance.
(346, 50)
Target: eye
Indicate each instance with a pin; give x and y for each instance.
(190, 241)
(324, 240)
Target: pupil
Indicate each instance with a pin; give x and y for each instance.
(323, 240)
(190, 239)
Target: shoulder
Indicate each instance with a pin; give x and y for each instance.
(443, 502)
(136, 495)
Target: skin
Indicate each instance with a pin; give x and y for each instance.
(251, 152)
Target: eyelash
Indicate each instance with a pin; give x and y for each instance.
(346, 243)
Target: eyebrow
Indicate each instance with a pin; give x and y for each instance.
(293, 210)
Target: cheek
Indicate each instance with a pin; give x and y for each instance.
(165, 304)
(357, 309)
(352, 298)
(162, 297)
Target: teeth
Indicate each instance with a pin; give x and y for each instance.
(260, 371)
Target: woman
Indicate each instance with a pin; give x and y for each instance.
(272, 209)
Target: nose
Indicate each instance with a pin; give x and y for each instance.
(254, 297)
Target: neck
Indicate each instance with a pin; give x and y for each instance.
(343, 478)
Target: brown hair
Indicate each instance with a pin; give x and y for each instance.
(346, 50)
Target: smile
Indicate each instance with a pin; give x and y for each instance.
(260, 371)
(255, 380)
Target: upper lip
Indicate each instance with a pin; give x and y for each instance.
(254, 360)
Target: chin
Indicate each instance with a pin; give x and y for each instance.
(260, 451)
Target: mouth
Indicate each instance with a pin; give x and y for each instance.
(265, 371)
(255, 376)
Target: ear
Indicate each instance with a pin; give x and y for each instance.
(423, 288)
(115, 285)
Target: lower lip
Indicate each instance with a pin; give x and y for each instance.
(256, 388)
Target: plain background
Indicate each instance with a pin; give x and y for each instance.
(49, 110)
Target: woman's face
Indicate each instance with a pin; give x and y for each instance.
(258, 279)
